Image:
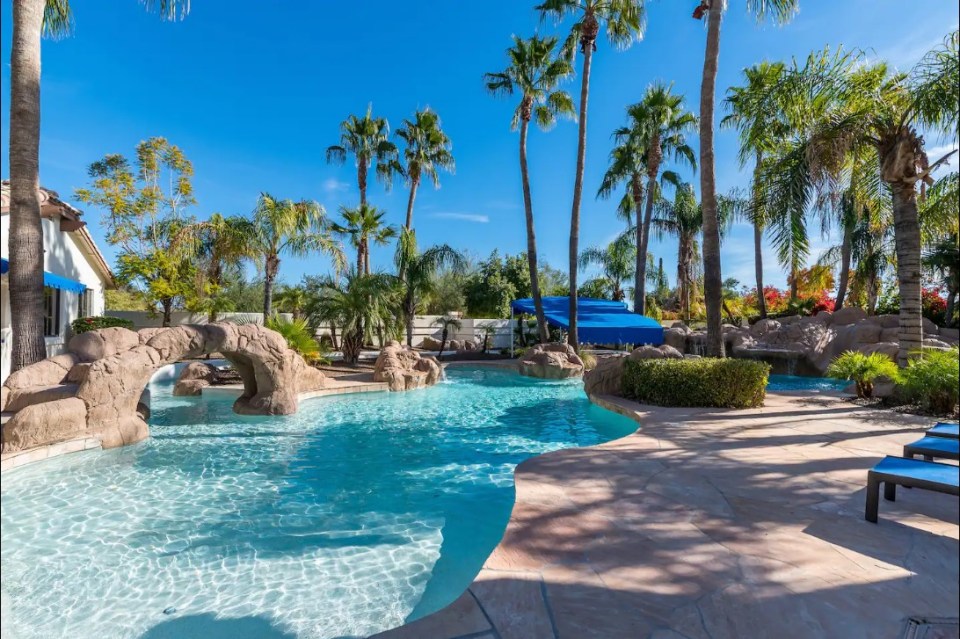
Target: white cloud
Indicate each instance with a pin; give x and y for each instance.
(466, 217)
(938, 152)
(332, 185)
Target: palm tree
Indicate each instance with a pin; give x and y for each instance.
(33, 19)
(219, 243)
(418, 272)
(446, 323)
(359, 304)
(683, 218)
(534, 73)
(617, 260)
(756, 114)
(623, 21)
(285, 227)
(361, 226)
(367, 139)
(427, 149)
(781, 11)
(660, 121)
(293, 300)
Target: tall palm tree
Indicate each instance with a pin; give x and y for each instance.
(368, 140)
(361, 226)
(660, 121)
(684, 218)
(623, 21)
(218, 243)
(534, 73)
(617, 260)
(33, 19)
(285, 227)
(427, 149)
(419, 272)
(781, 11)
(756, 114)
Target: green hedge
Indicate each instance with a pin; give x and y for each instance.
(85, 324)
(722, 383)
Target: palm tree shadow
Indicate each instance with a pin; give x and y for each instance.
(208, 626)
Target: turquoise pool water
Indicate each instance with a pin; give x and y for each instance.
(800, 383)
(345, 519)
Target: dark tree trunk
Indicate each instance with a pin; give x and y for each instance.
(654, 158)
(758, 224)
(414, 183)
(25, 239)
(951, 306)
(167, 304)
(333, 336)
(909, 270)
(712, 277)
(845, 251)
(531, 231)
(589, 30)
(409, 308)
(271, 267)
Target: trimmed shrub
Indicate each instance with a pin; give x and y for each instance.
(863, 370)
(85, 324)
(721, 383)
(933, 380)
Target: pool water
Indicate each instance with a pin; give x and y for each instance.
(800, 383)
(355, 514)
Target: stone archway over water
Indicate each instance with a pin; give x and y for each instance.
(93, 390)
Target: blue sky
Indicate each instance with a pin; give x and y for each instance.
(254, 97)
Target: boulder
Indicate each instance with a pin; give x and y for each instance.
(47, 372)
(890, 349)
(430, 344)
(888, 321)
(790, 319)
(46, 423)
(454, 345)
(764, 326)
(606, 377)
(308, 378)
(848, 315)
(676, 337)
(551, 361)
(655, 352)
(930, 327)
(404, 369)
(866, 333)
(194, 377)
(951, 334)
(103, 342)
(889, 335)
(930, 342)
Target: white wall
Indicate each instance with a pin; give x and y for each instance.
(423, 326)
(61, 256)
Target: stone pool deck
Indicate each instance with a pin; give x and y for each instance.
(718, 524)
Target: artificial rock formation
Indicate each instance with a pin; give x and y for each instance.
(606, 378)
(94, 390)
(405, 369)
(194, 377)
(551, 361)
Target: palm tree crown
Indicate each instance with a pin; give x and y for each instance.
(427, 149)
(361, 226)
(368, 139)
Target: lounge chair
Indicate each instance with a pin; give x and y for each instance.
(945, 429)
(912, 473)
(933, 447)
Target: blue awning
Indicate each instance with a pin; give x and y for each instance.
(598, 321)
(50, 279)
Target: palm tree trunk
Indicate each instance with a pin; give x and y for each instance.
(409, 308)
(590, 25)
(951, 305)
(531, 236)
(845, 251)
(758, 241)
(643, 241)
(333, 336)
(414, 183)
(269, 273)
(907, 230)
(25, 241)
(712, 278)
(362, 180)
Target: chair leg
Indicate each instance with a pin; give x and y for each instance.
(889, 491)
(873, 499)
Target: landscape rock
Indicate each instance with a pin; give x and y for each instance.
(676, 337)
(103, 342)
(405, 369)
(606, 377)
(764, 326)
(848, 315)
(663, 351)
(551, 361)
(194, 377)
(866, 333)
(430, 344)
(935, 343)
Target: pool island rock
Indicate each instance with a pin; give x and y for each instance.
(551, 361)
(94, 389)
(405, 369)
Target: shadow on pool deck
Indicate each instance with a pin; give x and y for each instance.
(711, 524)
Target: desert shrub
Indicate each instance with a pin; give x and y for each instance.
(932, 381)
(863, 370)
(84, 324)
(299, 337)
(589, 361)
(723, 383)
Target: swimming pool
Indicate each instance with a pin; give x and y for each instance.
(801, 383)
(347, 518)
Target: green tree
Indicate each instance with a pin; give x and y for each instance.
(285, 227)
(419, 272)
(32, 19)
(781, 11)
(623, 21)
(427, 148)
(367, 139)
(144, 204)
(617, 261)
(534, 73)
(291, 299)
(361, 226)
(359, 304)
(488, 291)
(445, 324)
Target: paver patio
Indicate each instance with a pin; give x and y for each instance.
(712, 524)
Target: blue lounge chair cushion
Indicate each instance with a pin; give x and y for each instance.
(939, 444)
(945, 429)
(920, 470)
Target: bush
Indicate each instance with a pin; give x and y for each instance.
(722, 383)
(299, 337)
(589, 361)
(863, 370)
(932, 380)
(85, 324)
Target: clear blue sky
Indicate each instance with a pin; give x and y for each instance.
(255, 95)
